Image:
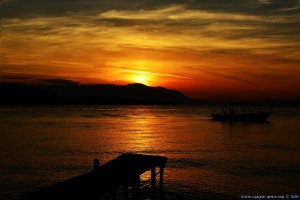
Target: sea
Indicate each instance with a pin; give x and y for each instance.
(41, 145)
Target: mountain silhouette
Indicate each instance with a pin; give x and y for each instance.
(69, 92)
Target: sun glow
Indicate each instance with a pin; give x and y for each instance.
(139, 72)
(140, 78)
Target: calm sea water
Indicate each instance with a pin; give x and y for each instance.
(40, 145)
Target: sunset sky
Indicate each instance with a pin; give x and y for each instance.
(203, 48)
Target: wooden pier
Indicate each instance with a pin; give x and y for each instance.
(106, 180)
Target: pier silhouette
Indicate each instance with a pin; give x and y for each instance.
(120, 174)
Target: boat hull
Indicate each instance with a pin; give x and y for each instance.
(247, 117)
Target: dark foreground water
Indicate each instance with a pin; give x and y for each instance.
(40, 145)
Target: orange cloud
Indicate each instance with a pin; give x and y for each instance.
(201, 52)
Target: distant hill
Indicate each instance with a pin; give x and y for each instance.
(69, 92)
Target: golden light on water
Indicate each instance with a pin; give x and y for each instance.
(142, 129)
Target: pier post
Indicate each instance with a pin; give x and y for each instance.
(96, 164)
(136, 187)
(126, 190)
(153, 183)
(113, 194)
(161, 182)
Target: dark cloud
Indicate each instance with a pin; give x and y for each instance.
(265, 9)
(58, 82)
(31, 8)
(280, 6)
(256, 7)
(226, 76)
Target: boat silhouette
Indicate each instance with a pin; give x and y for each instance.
(240, 112)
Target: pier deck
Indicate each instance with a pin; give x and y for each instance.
(123, 171)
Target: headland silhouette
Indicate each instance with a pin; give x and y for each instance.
(59, 91)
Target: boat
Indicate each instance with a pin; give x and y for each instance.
(240, 112)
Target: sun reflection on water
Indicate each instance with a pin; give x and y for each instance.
(141, 135)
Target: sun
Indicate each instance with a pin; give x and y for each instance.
(140, 78)
(139, 73)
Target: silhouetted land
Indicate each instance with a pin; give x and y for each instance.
(69, 92)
